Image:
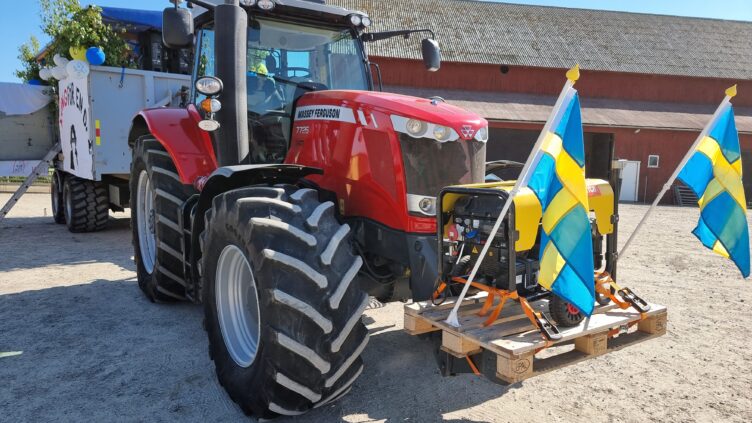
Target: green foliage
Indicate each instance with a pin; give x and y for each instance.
(70, 25)
(27, 55)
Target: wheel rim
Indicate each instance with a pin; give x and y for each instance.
(55, 196)
(68, 198)
(146, 222)
(237, 306)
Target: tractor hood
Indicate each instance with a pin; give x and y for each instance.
(465, 124)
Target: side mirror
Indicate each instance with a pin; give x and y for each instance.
(431, 54)
(177, 28)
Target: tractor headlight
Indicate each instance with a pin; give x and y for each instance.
(441, 133)
(356, 20)
(366, 21)
(209, 86)
(421, 204)
(427, 205)
(482, 134)
(265, 4)
(416, 128)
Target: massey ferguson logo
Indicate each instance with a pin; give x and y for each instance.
(467, 131)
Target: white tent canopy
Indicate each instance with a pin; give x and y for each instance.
(22, 99)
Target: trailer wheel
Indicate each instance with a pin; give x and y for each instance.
(56, 196)
(86, 204)
(157, 195)
(282, 305)
(564, 313)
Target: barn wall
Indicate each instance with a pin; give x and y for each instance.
(543, 81)
(638, 145)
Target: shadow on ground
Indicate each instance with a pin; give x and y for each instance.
(98, 350)
(42, 242)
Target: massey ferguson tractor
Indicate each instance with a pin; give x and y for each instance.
(288, 191)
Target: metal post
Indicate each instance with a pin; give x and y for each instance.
(519, 184)
(730, 93)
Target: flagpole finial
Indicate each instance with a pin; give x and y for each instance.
(731, 91)
(574, 73)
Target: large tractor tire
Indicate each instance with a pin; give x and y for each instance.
(86, 204)
(157, 195)
(56, 197)
(283, 309)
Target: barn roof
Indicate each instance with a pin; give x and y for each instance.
(556, 37)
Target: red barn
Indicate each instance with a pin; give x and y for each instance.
(650, 82)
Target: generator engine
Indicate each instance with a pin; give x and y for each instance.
(471, 220)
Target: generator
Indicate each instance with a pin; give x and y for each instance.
(466, 221)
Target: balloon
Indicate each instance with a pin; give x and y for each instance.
(95, 56)
(35, 82)
(45, 73)
(59, 73)
(77, 69)
(60, 60)
(78, 53)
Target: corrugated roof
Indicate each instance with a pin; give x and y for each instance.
(555, 37)
(595, 112)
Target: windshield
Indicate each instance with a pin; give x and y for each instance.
(285, 61)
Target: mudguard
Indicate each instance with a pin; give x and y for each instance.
(177, 130)
(227, 178)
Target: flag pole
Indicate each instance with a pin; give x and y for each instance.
(572, 76)
(730, 93)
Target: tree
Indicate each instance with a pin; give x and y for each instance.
(70, 25)
(27, 55)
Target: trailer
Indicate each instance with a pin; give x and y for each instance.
(92, 170)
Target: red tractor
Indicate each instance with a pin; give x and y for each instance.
(289, 190)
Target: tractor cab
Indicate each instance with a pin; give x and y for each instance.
(293, 48)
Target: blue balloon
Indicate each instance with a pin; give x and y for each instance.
(34, 82)
(95, 56)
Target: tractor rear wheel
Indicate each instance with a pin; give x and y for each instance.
(56, 197)
(282, 306)
(86, 204)
(157, 195)
(564, 313)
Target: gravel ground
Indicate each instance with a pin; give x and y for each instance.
(78, 342)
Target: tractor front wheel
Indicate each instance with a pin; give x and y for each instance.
(282, 306)
(157, 196)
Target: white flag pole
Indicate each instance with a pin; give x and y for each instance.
(730, 93)
(572, 76)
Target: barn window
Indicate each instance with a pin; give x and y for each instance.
(653, 160)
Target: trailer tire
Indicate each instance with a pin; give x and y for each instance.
(56, 197)
(563, 312)
(158, 243)
(298, 341)
(86, 204)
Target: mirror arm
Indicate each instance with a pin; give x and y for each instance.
(378, 36)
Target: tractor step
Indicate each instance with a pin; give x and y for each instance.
(520, 349)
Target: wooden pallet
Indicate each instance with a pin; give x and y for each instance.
(517, 343)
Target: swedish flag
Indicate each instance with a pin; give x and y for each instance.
(557, 177)
(714, 173)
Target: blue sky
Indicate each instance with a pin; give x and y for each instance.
(22, 21)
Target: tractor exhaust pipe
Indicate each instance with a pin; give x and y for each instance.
(230, 46)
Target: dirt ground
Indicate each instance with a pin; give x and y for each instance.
(78, 342)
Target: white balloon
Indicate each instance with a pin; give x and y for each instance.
(45, 74)
(77, 69)
(59, 73)
(60, 60)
